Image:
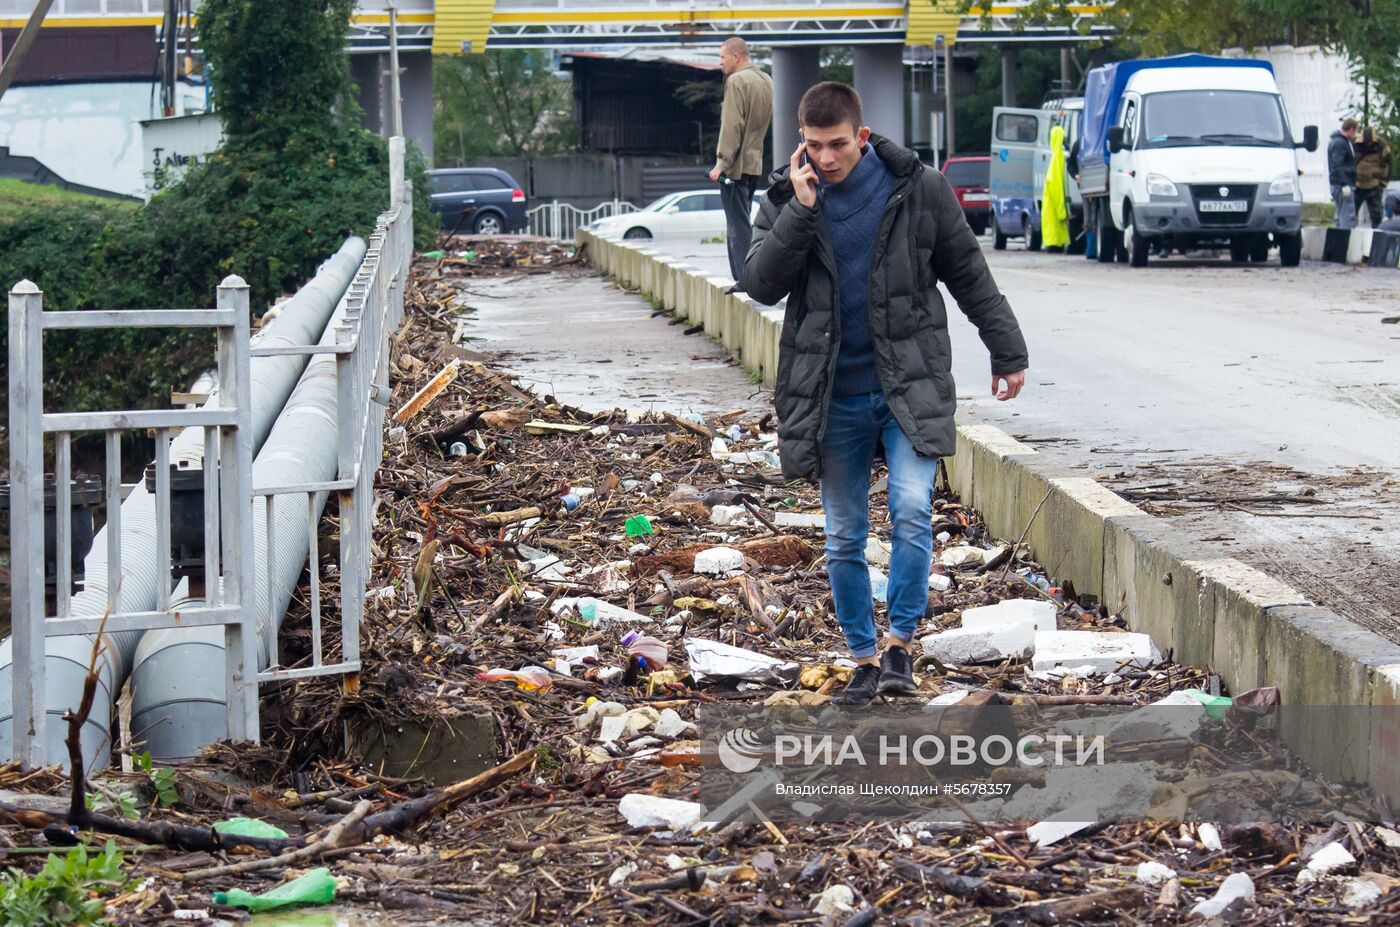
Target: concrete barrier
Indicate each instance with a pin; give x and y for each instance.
(1209, 610)
(1358, 249)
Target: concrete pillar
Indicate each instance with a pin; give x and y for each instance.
(950, 75)
(879, 79)
(795, 68)
(367, 71)
(416, 87)
(1008, 75)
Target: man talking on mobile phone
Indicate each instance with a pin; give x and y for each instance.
(858, 235)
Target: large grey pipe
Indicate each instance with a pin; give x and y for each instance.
(298, 321)
(177, 680)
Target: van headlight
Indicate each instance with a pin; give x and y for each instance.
(1157, 185)
(1284, 185)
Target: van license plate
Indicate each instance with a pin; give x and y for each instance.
(1224, 206)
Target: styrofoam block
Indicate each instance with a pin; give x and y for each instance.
(1040, 615)
(1103, 651)
(718, 560)
(969, 645)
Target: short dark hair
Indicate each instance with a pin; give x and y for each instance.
(828, 104)
(1347, 123)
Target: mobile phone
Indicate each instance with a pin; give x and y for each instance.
(801, 137)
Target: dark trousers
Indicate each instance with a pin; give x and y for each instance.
(737, 197)
(1371, 199)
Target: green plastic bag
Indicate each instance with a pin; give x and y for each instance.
(1216, 705)
(316, 887)
(249, 827)
(434, 255)
(638, 525)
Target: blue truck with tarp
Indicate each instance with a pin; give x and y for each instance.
(1189, 152)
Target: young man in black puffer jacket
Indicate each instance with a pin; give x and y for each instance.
(857, 233)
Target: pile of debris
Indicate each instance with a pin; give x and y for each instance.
(585, 582)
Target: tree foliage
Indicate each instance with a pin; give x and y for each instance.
(295, 174)
(501, 103)
(1366, 32)
(1036, 70)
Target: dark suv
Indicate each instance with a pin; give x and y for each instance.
(969, 177)
(493, 201)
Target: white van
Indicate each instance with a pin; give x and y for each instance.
(1190, 152)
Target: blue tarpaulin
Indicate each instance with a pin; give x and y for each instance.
(1105, 88)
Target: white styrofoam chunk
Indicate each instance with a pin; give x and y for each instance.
(726, 515)
(717, 561)
(799, 519)
(1234, 887)
(1099, 651)
(643, 810)
(1040, 615)
(966, 645)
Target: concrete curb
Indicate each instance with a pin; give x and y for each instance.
(1210, 610)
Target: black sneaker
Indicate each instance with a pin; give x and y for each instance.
(861, 689)
(897, 673)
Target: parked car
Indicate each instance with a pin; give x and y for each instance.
(969, 178)
(495, 201)
(687, 214)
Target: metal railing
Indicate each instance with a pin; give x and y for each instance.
(227, 498)
(561, 220)
(372, 310)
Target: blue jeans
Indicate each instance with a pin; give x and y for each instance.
(854, 425)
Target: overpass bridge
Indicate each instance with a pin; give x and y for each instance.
(455, 26)
(885, 35)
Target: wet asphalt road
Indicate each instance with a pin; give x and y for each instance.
(1198, 372)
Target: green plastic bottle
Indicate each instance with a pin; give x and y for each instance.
(1216, 705)
(316, 887)
(249, 827)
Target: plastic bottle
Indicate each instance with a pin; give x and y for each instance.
(315, 887)
(248, 827)
(879, 584)
(529, 678)
(648, 648)
(458, 449)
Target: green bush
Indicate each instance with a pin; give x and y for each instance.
(67, 891)
(295, 175)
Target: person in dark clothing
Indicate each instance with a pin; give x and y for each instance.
(1372, 173)
(1341, 173)
(857, 234)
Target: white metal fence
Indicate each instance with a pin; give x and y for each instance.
(373, 310)
(561, 220)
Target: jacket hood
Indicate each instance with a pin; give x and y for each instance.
(898, 160)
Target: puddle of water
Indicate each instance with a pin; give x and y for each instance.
(340, 917)
(319, 918)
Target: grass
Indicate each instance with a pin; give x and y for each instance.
(19, 195)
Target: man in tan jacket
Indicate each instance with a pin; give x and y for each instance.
(743, 127)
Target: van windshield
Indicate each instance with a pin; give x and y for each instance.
(1213, 117)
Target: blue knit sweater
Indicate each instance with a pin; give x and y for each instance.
(852, 211)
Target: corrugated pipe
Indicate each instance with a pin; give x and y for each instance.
(298, 321)
(177, 680)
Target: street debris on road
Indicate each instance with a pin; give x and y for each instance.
(581, 582)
